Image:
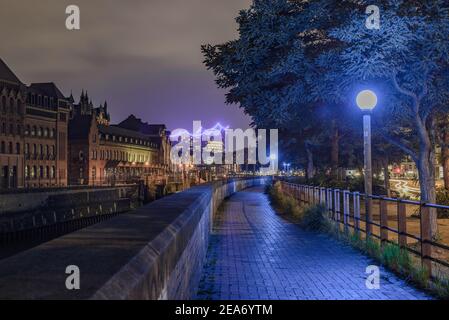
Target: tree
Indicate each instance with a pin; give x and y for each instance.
(409, 53)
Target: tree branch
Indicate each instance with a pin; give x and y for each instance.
(401, 145)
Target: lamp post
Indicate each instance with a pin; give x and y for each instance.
(367, 101)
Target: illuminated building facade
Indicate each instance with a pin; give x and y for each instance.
(33, 133)
(105, 154)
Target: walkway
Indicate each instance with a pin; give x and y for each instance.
(256, 254)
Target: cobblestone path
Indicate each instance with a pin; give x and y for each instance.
(256, 254)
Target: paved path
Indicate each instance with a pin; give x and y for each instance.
(256, 254)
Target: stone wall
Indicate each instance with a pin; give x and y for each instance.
(154, 252)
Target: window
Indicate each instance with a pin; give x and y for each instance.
(41, 172)
(17, 148)
(10, 150)
(41, 149)
(47, 149)
(3, 147)
(27, 172)
(19, 107)
(27, 148)
(33, 131)
(47, 172)
(46, 132)
(19, 129)
(4, 128)
(27, 130)
(11, 105)
(3, 104)
(11, 129)
(33, 172)
(39, 132)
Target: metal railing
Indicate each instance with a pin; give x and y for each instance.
(348, 210)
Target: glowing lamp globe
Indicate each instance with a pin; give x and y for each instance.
(367, 100)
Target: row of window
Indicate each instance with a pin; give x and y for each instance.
(10, 149)
(41, 150)
(29, 130)
(12, 107)
(120, 156)
(11, 129)
(41, 172)
(35, 149)
(40, 132)
(42, 101)
(114, 138)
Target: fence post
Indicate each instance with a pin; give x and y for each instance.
(383, 221)
(337, 206)
(356, 196)
(368, 215)
(329, 202)
(346, 209)
(402, 224)
(426, 238)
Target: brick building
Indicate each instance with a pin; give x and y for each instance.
(105, 154)
(33, 133)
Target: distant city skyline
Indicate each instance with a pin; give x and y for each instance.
(143, 58)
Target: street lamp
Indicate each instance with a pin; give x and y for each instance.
(367, 101)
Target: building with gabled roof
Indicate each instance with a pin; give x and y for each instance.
(33, 133)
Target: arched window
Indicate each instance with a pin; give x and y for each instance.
(3, 147)
(19, 107)
(33, 131)
(27, 172)
(11, 105)
(3, 104)
(17, 148)
(46, 132)
(53, 172)
(34, 172)
(10, 150)
(39, 132)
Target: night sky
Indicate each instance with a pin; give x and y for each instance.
(142, 56)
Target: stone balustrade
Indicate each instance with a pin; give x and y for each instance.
(154, 252)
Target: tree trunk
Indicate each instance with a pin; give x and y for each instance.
(426, 169)
(335, 149)
(445, 157)
(386, 177)
(310, 165)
